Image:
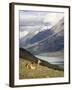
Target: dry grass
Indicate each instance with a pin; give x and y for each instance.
(39, 72)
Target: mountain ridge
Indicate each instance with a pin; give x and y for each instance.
(54, 42)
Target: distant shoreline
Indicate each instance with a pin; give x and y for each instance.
(53, 54)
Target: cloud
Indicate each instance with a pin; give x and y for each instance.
(53, 18)
(23, 34)
(39, 17)
(31, 17)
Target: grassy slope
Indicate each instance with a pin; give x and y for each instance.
(40, 72)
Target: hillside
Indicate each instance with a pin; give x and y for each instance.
(43, 70)
(29, 57)
(39, 72)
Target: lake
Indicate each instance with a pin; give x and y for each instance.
(53, 60)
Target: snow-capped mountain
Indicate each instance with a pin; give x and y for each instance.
(28, 32)
(48, 40)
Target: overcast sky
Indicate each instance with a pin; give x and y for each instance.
(37, 19)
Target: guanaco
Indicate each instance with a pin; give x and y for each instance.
(33, 65)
